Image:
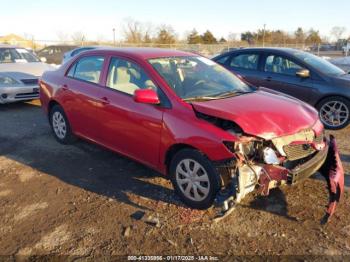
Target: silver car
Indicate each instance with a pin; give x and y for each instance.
(20, 70)
(68, 55)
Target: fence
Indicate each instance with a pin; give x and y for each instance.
(203, 49)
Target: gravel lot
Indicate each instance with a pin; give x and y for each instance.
(85, 201)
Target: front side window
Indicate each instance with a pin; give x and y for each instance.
(319, 63)
(281, 65)
(222, 60)
(245, 61)
(197, 77)
(87, 69)
(16, 55)
(126, 77)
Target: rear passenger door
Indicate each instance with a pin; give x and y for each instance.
(247, 65)
(279, 73)
(80, 95)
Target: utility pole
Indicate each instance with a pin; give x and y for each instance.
(113, 36)
(264, 35)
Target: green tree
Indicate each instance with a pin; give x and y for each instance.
(222, 40)
(248, 37)
(299, 35)
(194, 38)
(313, 37)
(208, 38)
(165, 35)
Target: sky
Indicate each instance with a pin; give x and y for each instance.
(46, 19)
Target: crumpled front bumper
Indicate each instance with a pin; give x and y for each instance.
(327, 161)
(18, 93)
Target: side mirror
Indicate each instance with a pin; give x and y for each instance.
(303, 73)
(146, 96)
(43, 59)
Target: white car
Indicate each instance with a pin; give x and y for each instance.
(20, 70)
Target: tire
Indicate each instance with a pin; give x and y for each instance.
(338, 119)
(60, 126)
(206, 181)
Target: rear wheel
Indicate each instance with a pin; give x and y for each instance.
(334, 112)
(60, 126)
(194, 178)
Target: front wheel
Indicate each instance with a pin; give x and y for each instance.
(334, 112)
(194, 178)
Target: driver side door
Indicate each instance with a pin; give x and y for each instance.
(125, 126)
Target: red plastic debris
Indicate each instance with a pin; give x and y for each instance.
(333, 171)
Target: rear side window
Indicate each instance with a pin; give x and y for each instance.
(245, 61)
(281, 65)
(87, 69)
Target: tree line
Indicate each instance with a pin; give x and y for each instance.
(135, 32)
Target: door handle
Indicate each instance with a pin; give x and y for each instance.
(104, 100)
(269, 78)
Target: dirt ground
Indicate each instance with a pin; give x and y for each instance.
(86, 202)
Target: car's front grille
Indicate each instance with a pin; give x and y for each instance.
(31, 82)
(295, 152)
(27, 95)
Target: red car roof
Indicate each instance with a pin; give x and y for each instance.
(144, 53)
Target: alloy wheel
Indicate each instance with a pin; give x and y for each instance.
(59, 125)
(334, 113)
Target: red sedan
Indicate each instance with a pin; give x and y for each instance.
(216, 137)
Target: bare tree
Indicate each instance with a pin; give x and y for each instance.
(337, 32)
(232, 37)
(133, 31)
(62, 37)
(78, 38)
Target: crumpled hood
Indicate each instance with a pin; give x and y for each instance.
(36, 69)
(262, 114)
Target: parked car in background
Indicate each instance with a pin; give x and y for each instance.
(54, 54)
(187, 117)
(346, 49)
(68, 55)
(342, 62)
(299, 74)
(19, 73)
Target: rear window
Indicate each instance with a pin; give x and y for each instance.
(245, 61)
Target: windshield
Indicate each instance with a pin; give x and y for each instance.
(17, 55)
(319, 64)
(198, 78)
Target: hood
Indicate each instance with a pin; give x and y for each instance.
(262, 114)
(36, 69)
(18, 75)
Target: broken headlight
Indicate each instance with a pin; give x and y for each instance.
(270, 156)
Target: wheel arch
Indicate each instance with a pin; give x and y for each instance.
(172, 150)
(328, 96)
(51, 104)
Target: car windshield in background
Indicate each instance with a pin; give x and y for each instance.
(319, 64)
(198, 78)
(17, 55)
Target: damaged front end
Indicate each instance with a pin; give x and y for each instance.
(263, 165)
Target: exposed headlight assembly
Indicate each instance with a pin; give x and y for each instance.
(270, 156)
